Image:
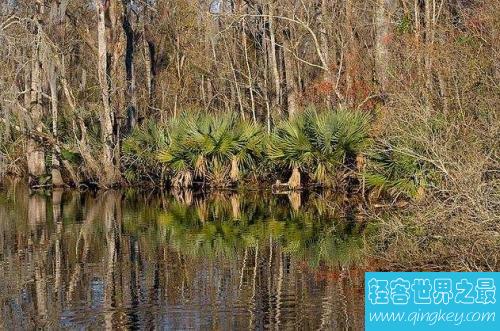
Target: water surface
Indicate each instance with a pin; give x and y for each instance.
(220, 261)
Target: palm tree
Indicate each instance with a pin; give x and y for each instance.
(318, 144)
(140, 150)
(397, 171)
(216, 149)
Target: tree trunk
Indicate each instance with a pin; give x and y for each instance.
(383, 13)
(249, 71)
(323, 33)
(291, 85)
(325, 50)
(110, 175)
(273, 58)
(57, 179)
(295, 200)
(234, 173)
(130, 93)
(149, 54)
(294, 182)
(351, 53)
(429, 42)
(35, 151)
(265, 88)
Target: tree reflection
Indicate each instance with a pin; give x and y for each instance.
(226, 260)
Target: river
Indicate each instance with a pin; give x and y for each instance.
(178, 261)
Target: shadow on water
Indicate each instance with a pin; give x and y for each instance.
(178, 261)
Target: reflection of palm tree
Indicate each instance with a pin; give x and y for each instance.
(225, 226)
(235, 204)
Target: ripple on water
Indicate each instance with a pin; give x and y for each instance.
(106, 260)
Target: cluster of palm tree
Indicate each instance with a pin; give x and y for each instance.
(321, 148)
(319, 144)
(221, 151)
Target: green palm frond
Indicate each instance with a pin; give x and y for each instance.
(140, 150)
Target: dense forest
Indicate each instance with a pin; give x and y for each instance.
(241, 164)
(396, 95)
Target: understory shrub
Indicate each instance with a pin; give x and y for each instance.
(222, 150)
(322, 147)
(397, 171)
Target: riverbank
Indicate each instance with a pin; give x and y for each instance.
(331, 149)
(428, 180)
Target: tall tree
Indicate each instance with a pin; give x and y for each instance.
(107, 118)
(35, 151)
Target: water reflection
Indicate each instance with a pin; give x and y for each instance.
(178, 261)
